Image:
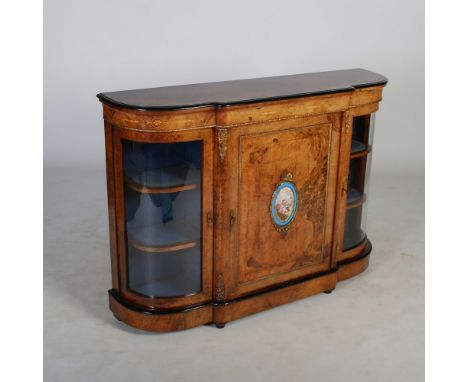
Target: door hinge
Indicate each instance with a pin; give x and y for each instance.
(344, 187)
(232, 218)
(209, 218)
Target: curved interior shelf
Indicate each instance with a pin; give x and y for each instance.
(163, 238)
(160, 190)
(355, 198)
(162, 248)
(165, 276)
(169, 287)
(359, 149)
(164, 180)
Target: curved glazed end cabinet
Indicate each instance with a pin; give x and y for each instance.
(229, 198)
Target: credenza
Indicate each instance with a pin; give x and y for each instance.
(230, 198)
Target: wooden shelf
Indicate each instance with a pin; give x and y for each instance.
(355, 198)
(359, 149)
(171, 237)
(174, 287)
(157, 276)
(162, 248)
(163, 181)
(160, 190)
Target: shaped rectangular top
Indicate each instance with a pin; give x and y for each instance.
(243, 91)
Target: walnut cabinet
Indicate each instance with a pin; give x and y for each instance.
(229, 198)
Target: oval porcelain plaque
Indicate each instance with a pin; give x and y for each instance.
(284, 205)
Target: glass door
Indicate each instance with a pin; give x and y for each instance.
(358, 180)
(162, 216)
(164, 209)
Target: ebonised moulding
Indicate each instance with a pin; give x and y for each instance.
(229, 198)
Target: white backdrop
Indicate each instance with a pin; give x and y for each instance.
(92, 46)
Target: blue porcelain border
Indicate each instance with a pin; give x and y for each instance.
(277, 221)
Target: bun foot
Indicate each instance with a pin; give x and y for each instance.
(220, 326)
(329, 291)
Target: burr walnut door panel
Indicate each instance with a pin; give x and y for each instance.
(283, 200)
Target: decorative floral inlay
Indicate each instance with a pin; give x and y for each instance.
(222, 142)
(219, 288)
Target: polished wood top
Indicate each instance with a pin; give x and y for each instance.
(243, 91)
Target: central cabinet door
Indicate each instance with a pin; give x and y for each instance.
(282, 198)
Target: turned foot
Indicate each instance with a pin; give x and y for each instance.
(220, 326)
(329, 291)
